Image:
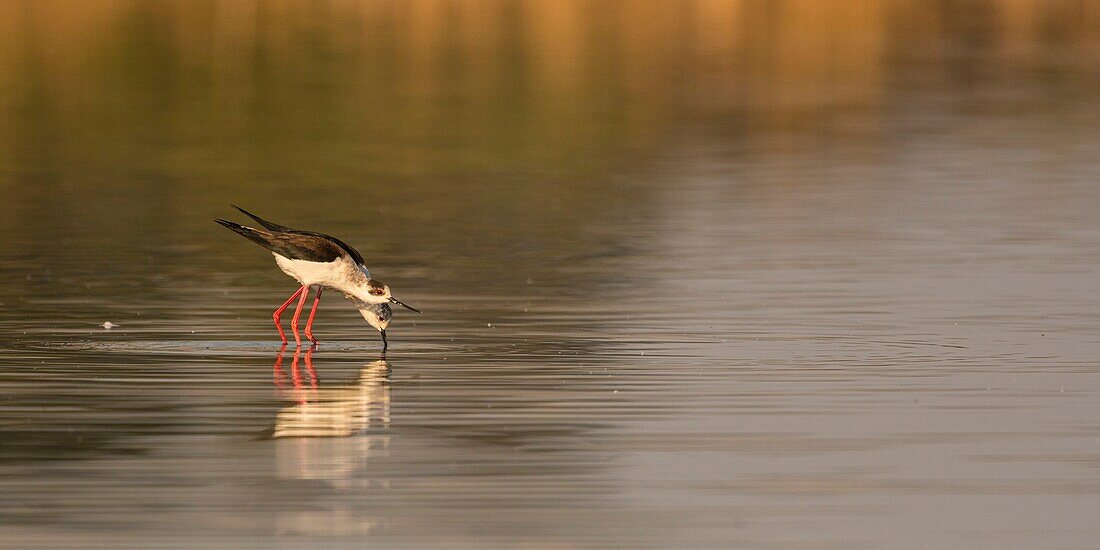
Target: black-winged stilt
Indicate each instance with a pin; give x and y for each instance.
(316, 259)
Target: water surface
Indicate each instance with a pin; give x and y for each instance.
(711, 274)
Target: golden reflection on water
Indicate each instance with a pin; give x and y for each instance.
(188, 105)
(528, 74)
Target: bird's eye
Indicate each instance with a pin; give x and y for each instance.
(375, 291)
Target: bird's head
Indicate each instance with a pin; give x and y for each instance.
(379, 293)
(378, 315)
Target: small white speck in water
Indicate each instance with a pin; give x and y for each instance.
(109, 325)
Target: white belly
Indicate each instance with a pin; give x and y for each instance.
(330, 274)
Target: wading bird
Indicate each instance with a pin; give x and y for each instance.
(315, 259)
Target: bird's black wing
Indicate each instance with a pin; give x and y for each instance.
(276, 228)
(351, 252)
(293, 245)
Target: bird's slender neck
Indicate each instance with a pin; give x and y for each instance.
(356, 284)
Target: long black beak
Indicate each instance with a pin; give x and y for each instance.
(406, 306)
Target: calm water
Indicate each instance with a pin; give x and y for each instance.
(790, 274)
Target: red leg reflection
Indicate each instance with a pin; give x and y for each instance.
(295, 374)
(309, 368)
(277, 373)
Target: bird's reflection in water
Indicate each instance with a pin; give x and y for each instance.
(331, 431)
(326, 439)
(282, 378)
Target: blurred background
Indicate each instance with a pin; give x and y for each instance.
(511, 121)
(785, 273)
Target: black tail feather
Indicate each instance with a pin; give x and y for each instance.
(270, 226)
(254, 235)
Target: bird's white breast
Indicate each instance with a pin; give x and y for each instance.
(334, 274)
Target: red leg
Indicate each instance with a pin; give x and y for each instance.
(298, 314)
(279, 312)
(312, 313)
